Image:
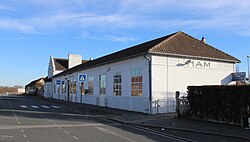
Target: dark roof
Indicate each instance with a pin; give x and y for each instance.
(34, 82)
(184, 44)
(62, 64)
(176, 44)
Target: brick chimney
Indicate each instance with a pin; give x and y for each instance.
(74, 60)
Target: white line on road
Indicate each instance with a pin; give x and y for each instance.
(10, 127)
(56, 107)
(24, 135)
(22, 130)
(67, 132)
(76, 138)
(23, 106)
(45, 106)
(2, 136)
(33, 106)
(115, 134)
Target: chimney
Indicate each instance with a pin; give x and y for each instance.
(74, 60)
(203, 40)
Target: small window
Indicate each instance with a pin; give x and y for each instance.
(136, 82)
(72, 87)
(81, 88)
(63, 87)
(102, 84)
(117, 84)
(91, 86)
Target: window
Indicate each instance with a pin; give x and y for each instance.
(54, 88)
(81, 88)
(58, 88)
(91, 86)
(102, 84)
(136, 82)
(72, 87)
(117, 84)
(63, 87)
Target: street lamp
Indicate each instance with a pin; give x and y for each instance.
(248, 66)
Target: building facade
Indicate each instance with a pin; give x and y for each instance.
(145, 77)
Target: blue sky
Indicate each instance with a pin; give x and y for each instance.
(32, 30)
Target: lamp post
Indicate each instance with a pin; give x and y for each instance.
(248, 67)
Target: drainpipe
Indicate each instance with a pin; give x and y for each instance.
(147, 56)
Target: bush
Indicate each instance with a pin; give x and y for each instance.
(221, 103)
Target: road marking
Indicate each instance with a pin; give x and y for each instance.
(24, 135)
(33, 106)
(23, 106)
(10, 127)
(22, 130)
(18, 123)
(115, 134)
(45, 106)
(76, 138)
(67, 132)
(2, 136)
(56, 107)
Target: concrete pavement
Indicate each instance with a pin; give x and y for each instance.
(163, 122)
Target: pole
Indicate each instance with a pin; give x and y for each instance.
(248, 68)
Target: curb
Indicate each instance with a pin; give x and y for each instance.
(155, 126)
(181, 129)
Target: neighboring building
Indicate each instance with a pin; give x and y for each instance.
(35, 87)
(58, 65)
(145, 77)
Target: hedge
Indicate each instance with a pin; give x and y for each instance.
(221, 103)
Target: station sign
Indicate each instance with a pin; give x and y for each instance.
(82, 77)
(58, 82)
(238, 76)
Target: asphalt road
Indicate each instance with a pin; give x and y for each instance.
(28, 119)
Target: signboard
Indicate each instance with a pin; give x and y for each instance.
(82, 78)
(238, 76)
(58, 82)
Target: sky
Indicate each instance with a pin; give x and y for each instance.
(33, 30)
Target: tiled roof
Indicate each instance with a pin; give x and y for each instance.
(34, 82)
(183, 44)
(177, 44)
(62, 64)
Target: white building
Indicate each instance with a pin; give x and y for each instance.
(145, 77)
(58, 65)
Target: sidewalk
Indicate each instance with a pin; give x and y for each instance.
(165, 121)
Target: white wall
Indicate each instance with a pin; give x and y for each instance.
(126, 101)
(170, 74)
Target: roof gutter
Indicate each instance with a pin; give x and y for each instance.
(197, 57)
(71, 70)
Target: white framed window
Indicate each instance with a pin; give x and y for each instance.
(63, 87)
(72, 87)
(54, 88)
(91, 85)
(117, 84)
(136, 82)
(102, 84)
(58, 88)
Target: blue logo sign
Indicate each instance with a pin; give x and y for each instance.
(238, 76)
(82, 78)
(58, 82)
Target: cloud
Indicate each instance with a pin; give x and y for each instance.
(2, 7)
(116, 38)
(78, 15)
(14, 25)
